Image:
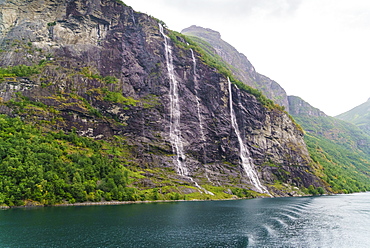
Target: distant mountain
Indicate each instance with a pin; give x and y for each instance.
(360, 116)
(339, 147)
(238, 63)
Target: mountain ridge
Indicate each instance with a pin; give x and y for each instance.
(359, 116)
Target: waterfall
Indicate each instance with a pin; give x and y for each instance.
(175, 132)
(133, 18)
(202, 136)
(196, 87)
(244, 153)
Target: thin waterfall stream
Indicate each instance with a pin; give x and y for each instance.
(175, 132)
(175, 113)
(196, 88)
(133, 17)
(247, 163)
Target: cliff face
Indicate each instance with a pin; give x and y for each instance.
(107, 71)
(240, 65)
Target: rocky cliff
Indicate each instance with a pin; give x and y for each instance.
(110, 73)
(299, 107)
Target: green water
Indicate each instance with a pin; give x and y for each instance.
(327, 221)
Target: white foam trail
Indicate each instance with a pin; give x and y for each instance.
(244, 153)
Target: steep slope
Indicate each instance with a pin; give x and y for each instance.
(341, 148)
(360, 116)
(238, 63)
(298, 107)
(169, 124)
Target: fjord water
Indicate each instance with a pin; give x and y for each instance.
(327, 221)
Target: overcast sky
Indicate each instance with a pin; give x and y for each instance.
(318, 50)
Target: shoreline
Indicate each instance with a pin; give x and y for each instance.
(107, 203)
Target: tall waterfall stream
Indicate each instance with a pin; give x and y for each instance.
(247, 163)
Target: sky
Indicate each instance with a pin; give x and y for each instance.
(318, 50)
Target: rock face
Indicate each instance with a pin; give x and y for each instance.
(240, 65)
(104, 72)
(299, 107)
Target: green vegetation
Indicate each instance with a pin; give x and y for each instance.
(88, 72)
(334, 146)
(23, 103)
(314, 191)
(345, 171)
(117, 97)
(45, 167)
(49, 167)
(359, 116)
(50, 24)
(19, 71)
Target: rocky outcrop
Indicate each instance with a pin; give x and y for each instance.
(299, 107)
(103, 71)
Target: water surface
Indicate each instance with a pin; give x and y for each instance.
(327, 221)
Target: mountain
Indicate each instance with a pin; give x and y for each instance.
(360, 116)
(101, 102)
(340, 148)
(237, 62)
(298, 107)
